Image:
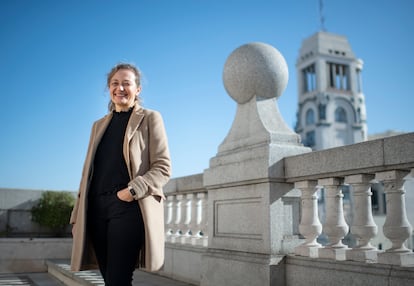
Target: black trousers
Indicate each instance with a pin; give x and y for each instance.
(116, 230)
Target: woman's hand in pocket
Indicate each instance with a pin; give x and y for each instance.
(125, 195)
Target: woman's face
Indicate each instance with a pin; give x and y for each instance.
(123, 89)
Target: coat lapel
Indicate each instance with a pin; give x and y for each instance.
(134, 121)
(100, 130)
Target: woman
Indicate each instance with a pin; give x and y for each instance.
(118, 219)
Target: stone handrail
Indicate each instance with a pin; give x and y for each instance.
(368, 157)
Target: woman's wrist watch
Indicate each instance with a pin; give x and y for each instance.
(132, 191)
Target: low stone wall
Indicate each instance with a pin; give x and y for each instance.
(304, 271)
(183, 262)
(18, 255)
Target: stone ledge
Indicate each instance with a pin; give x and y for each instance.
(61, 270)
(303, 271)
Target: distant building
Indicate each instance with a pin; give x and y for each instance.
(387, 133)
(331, 107)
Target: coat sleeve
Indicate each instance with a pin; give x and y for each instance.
(159, 171)
(84, 178)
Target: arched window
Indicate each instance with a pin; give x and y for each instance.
(310, 117)
(340, 115)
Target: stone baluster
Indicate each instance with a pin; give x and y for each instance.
(200, 219)
(169, 217)
(363, 225)
(396, 227)
(187, 218)
(204, 219)
(335, 226)
(177, 219)
(310, 226)
(196, 220)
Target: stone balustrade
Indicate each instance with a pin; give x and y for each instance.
(387, 161)
(186, 218)
(186, 205)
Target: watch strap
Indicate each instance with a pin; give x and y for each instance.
(132, 191)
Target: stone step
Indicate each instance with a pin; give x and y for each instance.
(29, 279)
(60, 269)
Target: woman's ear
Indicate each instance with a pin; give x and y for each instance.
(138, 90)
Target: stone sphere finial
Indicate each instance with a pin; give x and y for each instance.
(255, 69)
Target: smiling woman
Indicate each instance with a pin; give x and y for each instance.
(120, 199)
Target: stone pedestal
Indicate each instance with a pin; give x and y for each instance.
(253, 215)
(369, 255)
(405, 259)
(309, 251)
(333, 253)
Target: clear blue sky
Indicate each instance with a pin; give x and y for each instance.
(54, 57)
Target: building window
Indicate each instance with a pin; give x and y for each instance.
(340, 115)
(309, 76)
(359, 80)
(338, 76)
(310, 139)
(310, 117)
(322, 111)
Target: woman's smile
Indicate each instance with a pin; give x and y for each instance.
(123, 89)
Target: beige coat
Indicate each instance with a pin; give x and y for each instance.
(147, 157)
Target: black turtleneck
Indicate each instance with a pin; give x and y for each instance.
(110, 172)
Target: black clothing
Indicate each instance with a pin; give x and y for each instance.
(117, 241)
(110, 173)
(115, 227)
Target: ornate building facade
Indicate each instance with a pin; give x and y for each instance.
(331, 106)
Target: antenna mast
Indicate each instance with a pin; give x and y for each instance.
(321, 17)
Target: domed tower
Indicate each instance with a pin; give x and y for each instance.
(331, 110)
